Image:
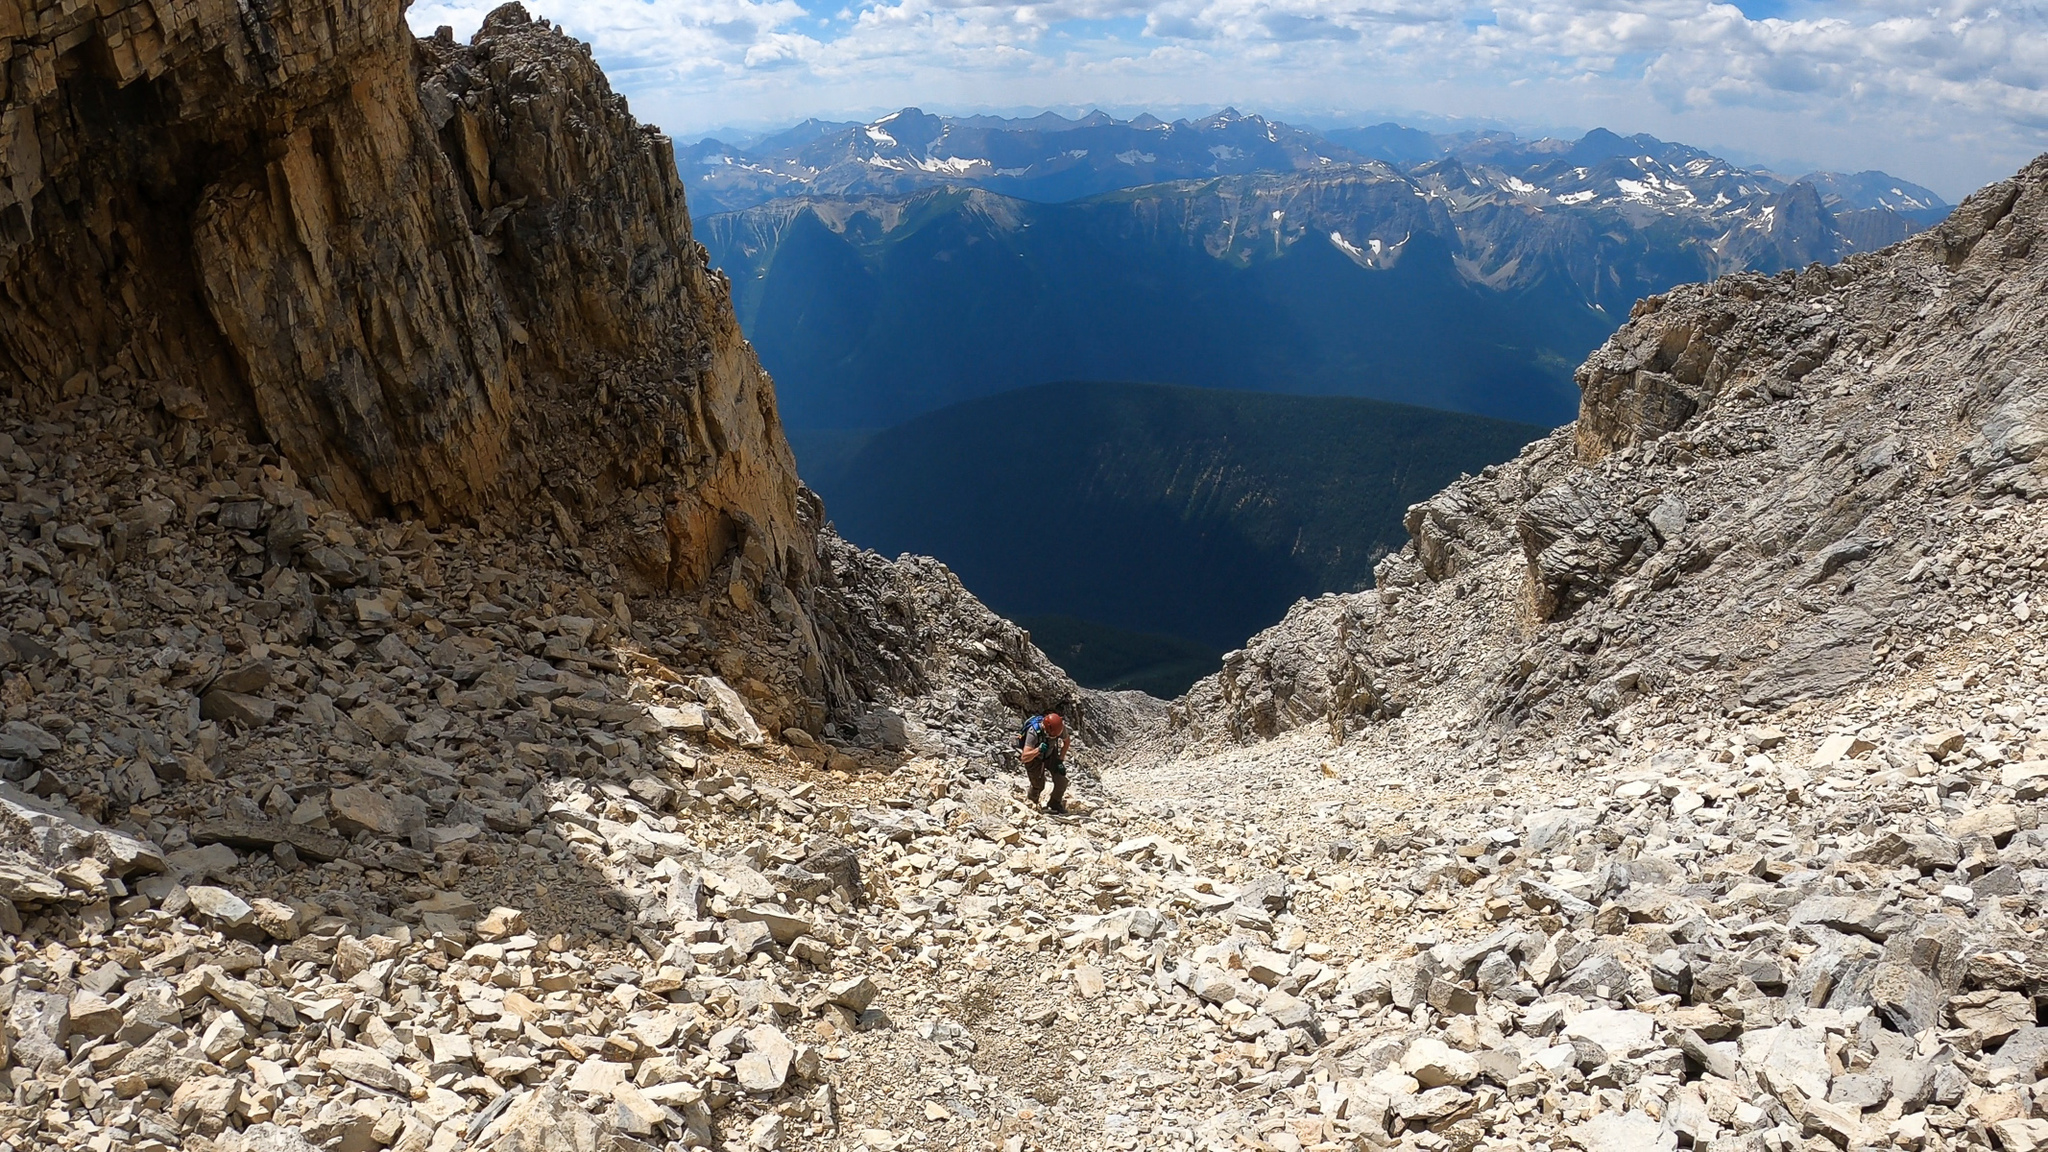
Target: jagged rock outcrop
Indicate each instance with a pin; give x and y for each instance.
(1778, 489)
(445, 282)
(910, 635)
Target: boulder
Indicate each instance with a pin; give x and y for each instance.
(1434, 1064)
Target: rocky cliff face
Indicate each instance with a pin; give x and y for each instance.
(1778, 489)
(444, 282)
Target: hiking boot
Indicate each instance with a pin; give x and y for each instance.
(1056, 809)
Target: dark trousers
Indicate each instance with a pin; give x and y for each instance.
(1037, 770)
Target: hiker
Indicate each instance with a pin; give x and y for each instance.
(1045, 754)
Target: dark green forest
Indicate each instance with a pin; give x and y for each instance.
(1190, 517)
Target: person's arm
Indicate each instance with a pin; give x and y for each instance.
(1031, 747)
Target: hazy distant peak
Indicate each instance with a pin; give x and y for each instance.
(1052, 158)
(1873, 190)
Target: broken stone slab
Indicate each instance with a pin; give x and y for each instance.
(92, 1016)
(1991, 1015)
(835, 860)
(373, 1069)
(1997, 821)
(1434, 1063)
(265, 1137)
(501, 923)
(689, 719)
(236, 708)
(192, 864)
(1924, 851)
(1549, 897)
(765, 1066)
(1842, 1127)
(854, 995)
(599, 1077)
(1907, 998)
(385, 724)
(1864, 916)
(1433, 1106)
(784, 926)
(1268, 968)
(28, 886)
(247, 679)
(739, 881)
(1718, 1058)
(637, 1114)
(2027, 778)
(1088, 981)
(265, 835)
(1212, 984)
(1288, 1011)
(22, 740)
(2021, 1134)
(1623, 1132)
(721, 698)
(56, 836)
(205, 1103)
(1839, 747)
(1860, 1091)
(364, 809)
(1605, 1034)
(747, 937)
(542, 1119)
(798, 883)
(1789, 1057)
(219, 907)
(38, 1023)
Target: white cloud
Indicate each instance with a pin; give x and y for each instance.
(1948, 92)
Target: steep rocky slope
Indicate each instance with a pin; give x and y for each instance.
(1778, 490)
(1679, 801)
(382, 466)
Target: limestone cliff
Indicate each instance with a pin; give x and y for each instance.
(453, 283)
(445, 281)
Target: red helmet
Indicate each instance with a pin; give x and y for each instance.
(1053, 723)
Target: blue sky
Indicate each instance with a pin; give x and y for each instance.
(1948, 94)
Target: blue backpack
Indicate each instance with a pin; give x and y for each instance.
(1035, 724)
(1048, 746)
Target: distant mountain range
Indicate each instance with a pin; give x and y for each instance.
(1192, 514)
(888, 269)
(1051, 158)
(1046, 158)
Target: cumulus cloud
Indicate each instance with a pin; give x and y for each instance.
(1952, 92)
